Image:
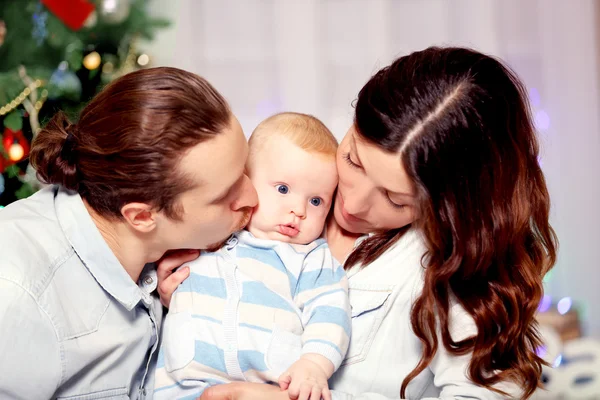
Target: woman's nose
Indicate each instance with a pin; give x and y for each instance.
(356, 201)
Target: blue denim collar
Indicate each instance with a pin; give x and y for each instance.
(92, 249)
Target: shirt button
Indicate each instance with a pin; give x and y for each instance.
(231, 242)
(148, 280)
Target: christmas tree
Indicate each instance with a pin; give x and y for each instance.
(56, 55)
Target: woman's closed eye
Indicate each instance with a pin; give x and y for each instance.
(396, 206)
(350, 162)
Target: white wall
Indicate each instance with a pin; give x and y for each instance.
(313, 56)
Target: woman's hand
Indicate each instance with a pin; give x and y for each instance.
(169, 280)
(244, 391)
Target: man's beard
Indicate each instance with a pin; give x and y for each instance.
(214, 247)
(243, 222)
(245, 218)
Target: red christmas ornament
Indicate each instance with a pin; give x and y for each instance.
(8, 138)
(73, 13)
(15, 145)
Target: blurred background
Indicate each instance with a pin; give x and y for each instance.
(313, 56)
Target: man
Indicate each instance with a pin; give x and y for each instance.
(155, 162)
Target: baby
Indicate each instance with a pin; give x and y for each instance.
(272, 304)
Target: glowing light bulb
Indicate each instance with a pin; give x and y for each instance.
(16, 152)
(564, 305)
(143, 60)
(92, 60)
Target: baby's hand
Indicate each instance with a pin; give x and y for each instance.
(305, 380)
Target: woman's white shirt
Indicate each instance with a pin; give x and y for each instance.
(383, 348)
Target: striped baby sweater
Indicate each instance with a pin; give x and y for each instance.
(249, 311)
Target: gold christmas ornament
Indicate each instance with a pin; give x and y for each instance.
(92, 60)
(143, 60)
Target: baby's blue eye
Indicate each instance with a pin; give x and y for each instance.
(283, 189)
(316, 201)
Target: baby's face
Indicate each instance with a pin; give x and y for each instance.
(295, 191)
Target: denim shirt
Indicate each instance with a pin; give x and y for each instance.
(73, 324)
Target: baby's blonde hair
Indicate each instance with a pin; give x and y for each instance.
(305, 131)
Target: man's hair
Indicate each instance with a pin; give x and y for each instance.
(129, 140)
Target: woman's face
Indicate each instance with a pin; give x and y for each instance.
(374, 193)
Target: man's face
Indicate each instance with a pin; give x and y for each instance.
(222, 196)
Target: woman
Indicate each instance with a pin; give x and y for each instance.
(155, 162)
(440, 172)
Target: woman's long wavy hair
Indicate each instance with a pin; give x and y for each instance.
(461, 124)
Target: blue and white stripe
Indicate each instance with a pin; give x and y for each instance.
(262, 286)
